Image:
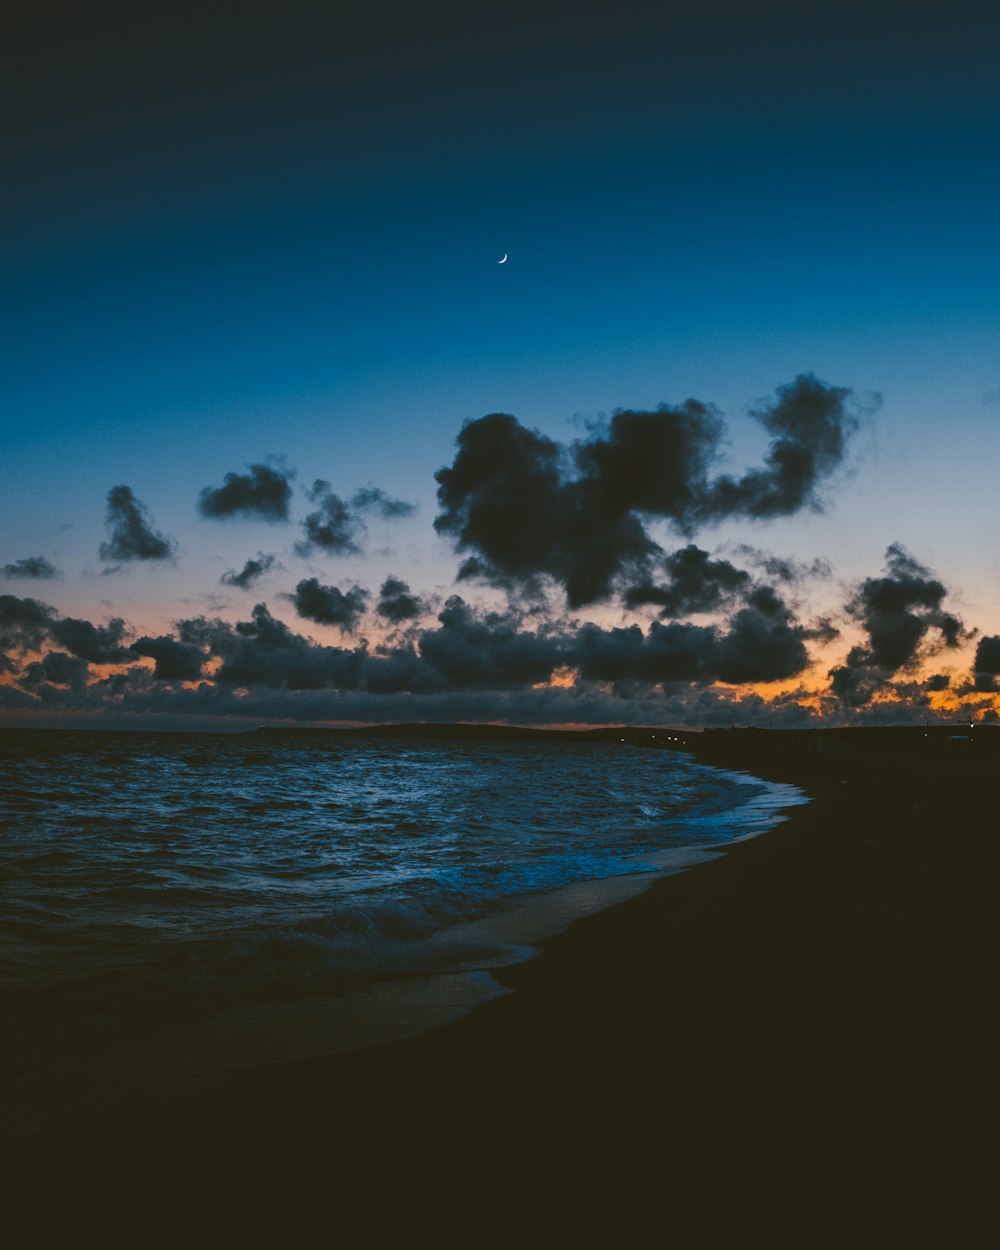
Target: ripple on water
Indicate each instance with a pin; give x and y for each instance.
(178, 871)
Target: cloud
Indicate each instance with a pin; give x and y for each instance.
(373, 499)
(254, 568)
(784, 568)
(205, 632)
(986, 666)
(329, 606)
(488, 651)
(464, 649)
(264, 494)
(526, 508)
(468, 664)
(810, 424)
(57, 668)
(898, 612)
(337, 527)
(503, 498)
(761, 643)
(332, 528)
(396, 604)
(130, 533)
(100, 644)
(24, 626)
(696, 584)
(665, 653)
(265, 652)
(36, 568)
(175, 661)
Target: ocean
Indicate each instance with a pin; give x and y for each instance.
(183, 903)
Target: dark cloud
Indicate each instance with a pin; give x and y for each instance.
(526, 508)
(333, 527)
(905, 695)
(130, 532)
(265, 652)
(465, 649)
(374, 499)
(27, 625)
(666, 653)
(762, 643)
(651, 462)
(100, 644)
(856, 680)
(502, 497)
(824, 631)
(696, 584)
(24, 626)
(898, 612)
(986, 666)
(57, 668)
(488, 651)
(202, 631)
(264, 493)
(35, 568)
(784, 568)
(507, 499)
(253, 569)
(395, 602)
(810, 424)
(175, 661)
(329, 606)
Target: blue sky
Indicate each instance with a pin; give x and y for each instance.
(245, 234)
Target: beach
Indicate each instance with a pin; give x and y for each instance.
(796, 1039)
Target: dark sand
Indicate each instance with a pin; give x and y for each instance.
(795, 1043)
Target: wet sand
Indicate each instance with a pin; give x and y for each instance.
(796, 1041)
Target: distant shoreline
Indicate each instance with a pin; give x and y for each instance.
(749, 743)
(710, 744)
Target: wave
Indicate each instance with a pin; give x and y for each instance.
(180, 876)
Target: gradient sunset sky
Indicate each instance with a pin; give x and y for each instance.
(256, 339)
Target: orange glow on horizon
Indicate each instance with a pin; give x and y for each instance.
(561, 679)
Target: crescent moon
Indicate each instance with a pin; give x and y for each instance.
(501, 261)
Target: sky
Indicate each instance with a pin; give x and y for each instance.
(283, 441)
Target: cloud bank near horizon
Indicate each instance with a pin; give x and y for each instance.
(467, 662)
(559, 530)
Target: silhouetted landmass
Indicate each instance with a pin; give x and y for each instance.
(752, 745)
(495, 733)
(743, 744)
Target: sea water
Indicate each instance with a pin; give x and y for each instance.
(203, 899)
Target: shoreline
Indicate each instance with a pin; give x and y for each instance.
(806, 1021)
(132, 1076)
(455, 975)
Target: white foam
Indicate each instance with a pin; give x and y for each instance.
(246, 1035)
